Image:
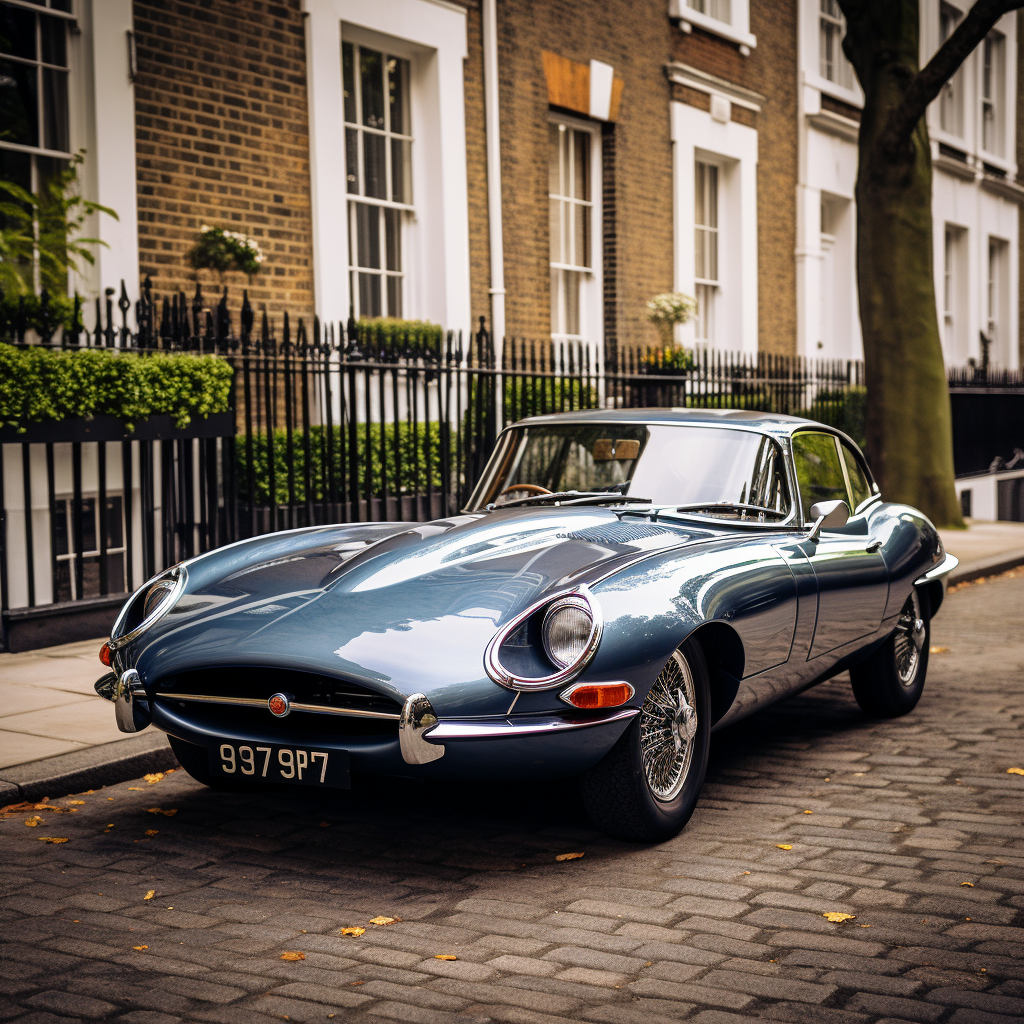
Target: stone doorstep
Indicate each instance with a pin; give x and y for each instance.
(92, 768)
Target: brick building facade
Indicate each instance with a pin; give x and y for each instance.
(548, 165)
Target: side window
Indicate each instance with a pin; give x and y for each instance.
(768, 479)
(818, 470)
(858, 478)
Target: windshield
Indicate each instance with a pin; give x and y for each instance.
(671, 465)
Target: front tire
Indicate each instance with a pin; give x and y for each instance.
(646, 787)
(890, 682)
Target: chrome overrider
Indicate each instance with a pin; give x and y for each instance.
(131, 703)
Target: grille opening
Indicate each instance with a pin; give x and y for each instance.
(262, 683)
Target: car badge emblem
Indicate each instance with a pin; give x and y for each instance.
(279, 705)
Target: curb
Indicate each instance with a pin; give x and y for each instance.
(91, 768)
(991, 567)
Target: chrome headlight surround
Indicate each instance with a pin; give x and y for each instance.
(167, 587)
(577, 597)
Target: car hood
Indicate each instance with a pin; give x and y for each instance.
(399, 608)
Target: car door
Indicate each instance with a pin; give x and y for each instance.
(851, 577)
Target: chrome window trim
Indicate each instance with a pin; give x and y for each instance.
(500, 675)
(257, 702)
(178, 575)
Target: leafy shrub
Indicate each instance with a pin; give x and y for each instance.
(844, 408)
(388, 334)
(39, 384)
(419, 459)
(58, 309)
(222, 250)
(668, 360)
(534, 396)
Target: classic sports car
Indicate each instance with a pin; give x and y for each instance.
(620, 585)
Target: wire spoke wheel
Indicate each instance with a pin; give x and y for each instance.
(668, 724)
(908, 641)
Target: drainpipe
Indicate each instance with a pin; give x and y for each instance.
(493, 132)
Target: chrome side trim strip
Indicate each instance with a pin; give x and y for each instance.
(254, 702)
(944, 568)
(503, 728)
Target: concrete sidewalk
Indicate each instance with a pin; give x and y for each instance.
(54, 729)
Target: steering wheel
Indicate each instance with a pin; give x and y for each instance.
(529, 488)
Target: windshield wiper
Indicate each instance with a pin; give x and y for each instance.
(572, 498)
(731, 506)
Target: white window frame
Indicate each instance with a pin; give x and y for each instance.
(707, 236)
(843, 68)
(736, 29)
(436, 247)
(71, 556)
(954, 89)
(733, 146)
(406, 211)
(955, 278)
(591, 299)
(992, 61)
(997, 299)
(810, 61)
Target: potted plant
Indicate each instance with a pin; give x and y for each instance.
(665, 311)
(221, 250)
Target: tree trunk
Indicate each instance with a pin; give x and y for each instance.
(909, 426)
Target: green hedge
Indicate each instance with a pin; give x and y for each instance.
(408, 476)
(388, 333)
(38, 384)
(845, 409)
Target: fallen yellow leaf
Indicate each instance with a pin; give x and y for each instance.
(51, 839)
(784, 846)
(970, 885)
(937, 650)
(836, 917)
(152, 831)
(381, 920)
(153, 778)
(34, 822)
(445, 956)
(1015, 771)
(293, 956)
(808, 812)
(564, 856)
(167, 813)
(77, 802)
(140, 947)
(149, 895)
(136, 789)
(354, 930)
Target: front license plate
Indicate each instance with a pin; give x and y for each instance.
(300, 766)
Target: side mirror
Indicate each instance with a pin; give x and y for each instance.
(828, 515)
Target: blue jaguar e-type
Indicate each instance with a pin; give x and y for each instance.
(620, 584)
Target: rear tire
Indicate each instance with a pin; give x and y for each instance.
(646, 787)
(890, 682)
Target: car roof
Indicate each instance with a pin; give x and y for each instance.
(776, 423)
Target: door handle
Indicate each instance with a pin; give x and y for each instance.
(873, 546)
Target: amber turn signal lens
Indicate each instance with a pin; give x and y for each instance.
(105, 655)
(600, 695)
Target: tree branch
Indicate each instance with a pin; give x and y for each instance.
(928, 82)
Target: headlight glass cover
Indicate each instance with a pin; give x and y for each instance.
(148, 604)
(566, 630)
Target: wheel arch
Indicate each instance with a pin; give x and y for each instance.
(725, 657)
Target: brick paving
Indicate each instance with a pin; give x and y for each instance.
(915, 828)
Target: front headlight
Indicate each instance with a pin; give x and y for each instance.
(566, 630)
(547, 644)
(149, 603)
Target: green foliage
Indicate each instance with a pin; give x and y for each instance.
(222, 250)
(668, 360)
(389, 334)
(844, 408)
(60, 311)
(39, 384)
(534, 396)
(419, 459)
(58, 212)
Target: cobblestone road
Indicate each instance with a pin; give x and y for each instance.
(913, 826)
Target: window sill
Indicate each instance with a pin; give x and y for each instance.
(854, 97)
(678, 10)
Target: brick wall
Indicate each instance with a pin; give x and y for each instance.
(634, 39)
(223, 139)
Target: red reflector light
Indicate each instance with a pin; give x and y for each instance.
(599, 695)
(105, 655)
